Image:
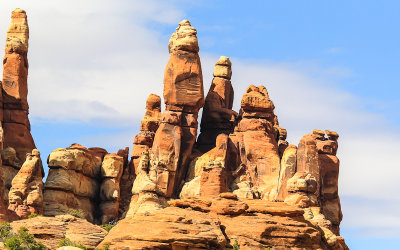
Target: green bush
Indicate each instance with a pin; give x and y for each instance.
(33, 215)
(19, 241)
(105, 247)
(236, 245)
(67, 242)
(5, 231)
(109, 225)
(78, 213)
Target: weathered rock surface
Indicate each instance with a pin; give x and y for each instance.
(72, 182)
(148, 127)
(218, 116)
(15, 107)
(183, 96)
(209, 224)
(26, 194)
(51, 230)
(111, 172)
(255, 138)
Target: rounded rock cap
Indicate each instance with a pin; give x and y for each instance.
(224, 60)
(18, 10)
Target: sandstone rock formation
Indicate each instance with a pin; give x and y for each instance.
(10, 166)
(255, 138)
(26, 194)
(148, 127)
(183, 96)
(111, 172)
(208, 224)
(240, 183)
(51, 230)
(72, 181)
(218, 116)
(15, 107)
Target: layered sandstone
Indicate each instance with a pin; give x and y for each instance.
(183, 96)
(72, 181)
(15, 107)
(148, 127)
(255, 138)
(51, 230)
(26, 194)
(218, 223)
(111, 172)
(218, 116)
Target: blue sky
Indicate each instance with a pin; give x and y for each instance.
(326, 64)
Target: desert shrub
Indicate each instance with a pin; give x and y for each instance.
(33, 215)
(105, 247)
(67, 242)
(5, 231)
(19, 241)
(236, 245)
(78, 213)
(109, 225)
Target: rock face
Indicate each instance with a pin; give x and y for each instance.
(15, 107)
(72, 182)
(255, 138)
(148, 127)
(183, 96)
(330, 201)
(51, 230)
(10, 166)
(111, 172)
(216, 223)
(26, 194)
(218, 116)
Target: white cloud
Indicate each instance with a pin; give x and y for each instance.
(99, 60)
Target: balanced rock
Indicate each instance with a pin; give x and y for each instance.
(26, 194)
(218, 116)
(15, 107)
(183, 96)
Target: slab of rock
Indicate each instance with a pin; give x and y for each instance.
(204, 223)
(51, 230)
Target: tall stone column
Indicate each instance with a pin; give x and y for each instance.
(183, 96)
(218, 116)
(15, 88)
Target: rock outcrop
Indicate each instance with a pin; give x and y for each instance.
(15, 107)
(111, 172)
(240, 183)
(217, 224)
(72, 182)
(255, 138)
(26, 194)
(51, 230)
(183, 97)
(148, 127)
(218, 116)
